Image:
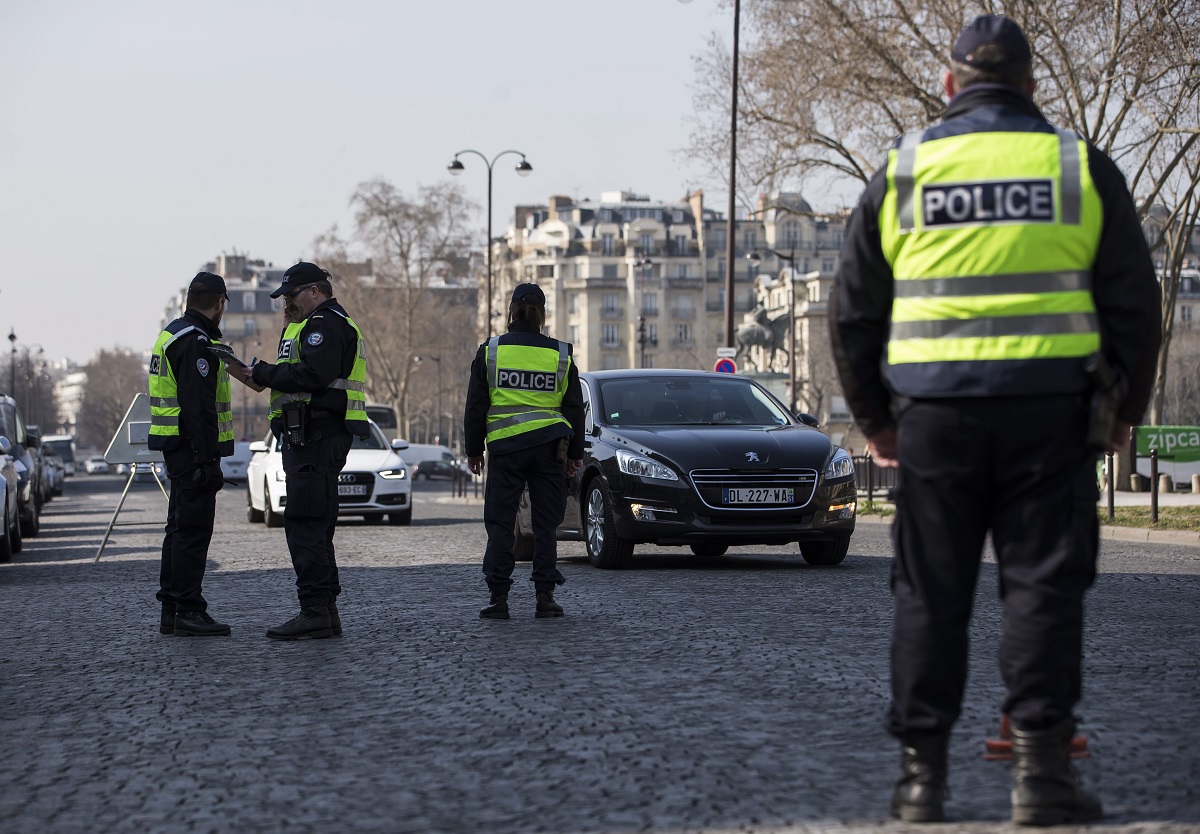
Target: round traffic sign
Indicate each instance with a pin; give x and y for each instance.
(725, 365)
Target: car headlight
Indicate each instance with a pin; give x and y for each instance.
(644, 467)
(280, 475)
(839, 466)
(394, 474)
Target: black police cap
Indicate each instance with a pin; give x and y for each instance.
(1011, 48)
(300, 275)
(529, 294)
(208, 282)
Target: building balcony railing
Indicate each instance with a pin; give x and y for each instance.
(611, 313)
(609, 344)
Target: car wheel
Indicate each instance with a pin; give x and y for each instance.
(272, 518)
(522, 544)
(825, 554)
(30, 525)
(402, 519)
(6, 550)
(252, 515)
(708, 550)
(605, 548)
(373, 519)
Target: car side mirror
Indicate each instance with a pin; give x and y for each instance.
(807, 419)
(5, 446)
(399, 443)
(258, 446)
(33, 437)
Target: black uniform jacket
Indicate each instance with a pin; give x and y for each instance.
(328, 345)
(478, 400)
(1124, 284)
(196, 379)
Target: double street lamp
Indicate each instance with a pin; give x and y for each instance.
(523, 169)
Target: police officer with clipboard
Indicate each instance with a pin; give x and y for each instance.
(318, 404)
(995, 321)
(191, 423)
(524, 402)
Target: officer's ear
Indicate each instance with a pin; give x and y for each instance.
(949, 84)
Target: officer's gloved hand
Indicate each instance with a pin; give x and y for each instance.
(208, 476)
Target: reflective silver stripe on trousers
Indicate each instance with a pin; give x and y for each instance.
(906, 163)
(525, 417)
(1025, 282)
(347, 385)
(1072, 189)
(493, 371)
(164, 402)
(356, 405)
(163, 420)
(224, 426)
(1042, 325)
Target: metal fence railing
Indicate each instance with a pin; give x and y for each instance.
(873, 481)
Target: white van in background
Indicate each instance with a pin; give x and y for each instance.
(429, 460)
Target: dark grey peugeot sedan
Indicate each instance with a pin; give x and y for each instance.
(703, 460)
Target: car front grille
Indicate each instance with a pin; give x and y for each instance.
(366, 479)
(711, 484)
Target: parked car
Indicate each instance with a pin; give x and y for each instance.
(12, 426)
(703, 460)
(233, 467)
(430, 460)
(95, 465)
(375, 482)
(63, 446)
(56, 472)
(10, 521)
(146, 470)
(446, 468)
(44, 465)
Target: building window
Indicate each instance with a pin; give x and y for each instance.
(827, 264)
(249, 326)
(573, 334)
(791, 234)
(650, 303)
(610, 335)
(677, 216)
(683, 333)
(248, 304)
(652, 334)
(646, 244)
(718, 239)
(573, 302)
(609, 305)
(749, 240)
(681, 244)
(610, 271)
(650, 361)
(606, 244)
(681, 270)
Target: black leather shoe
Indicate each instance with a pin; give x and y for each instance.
(166, 622)
(497, 609)
(546, 606)
(921, 789)
(1046, 789)
(312, 623)
(335, 621)
(198, 624)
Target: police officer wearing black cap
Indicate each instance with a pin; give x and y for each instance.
(525, 404)
(191, 423)
(317, 407)
(995, 321)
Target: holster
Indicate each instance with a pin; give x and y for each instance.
(1107, 391)
(560, 451)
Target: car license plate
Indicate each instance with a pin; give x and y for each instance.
(352, 489)
(767, 495)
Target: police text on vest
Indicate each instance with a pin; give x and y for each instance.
(525, 380)
(1021, 201)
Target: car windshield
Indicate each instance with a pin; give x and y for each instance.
(683, 401)
(375, 440)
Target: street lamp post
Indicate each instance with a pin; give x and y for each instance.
(524, 169)
(730, 247)
(438, 361)
(12, 363)
(645, 265)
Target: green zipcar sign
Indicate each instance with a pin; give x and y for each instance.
(1178, 443)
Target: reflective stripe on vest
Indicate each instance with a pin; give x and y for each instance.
(991, 238)
(164, 390)
(289, 353)
(526, 386)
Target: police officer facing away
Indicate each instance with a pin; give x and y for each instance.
(317, 407)
(987, 267)
(191, 423)
(525, 403)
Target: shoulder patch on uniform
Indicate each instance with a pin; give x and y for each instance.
(202, 366)
(154, 363)
(315, 339)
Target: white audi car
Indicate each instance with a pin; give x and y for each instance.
(375, 482)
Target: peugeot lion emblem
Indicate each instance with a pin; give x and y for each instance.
(752, 457)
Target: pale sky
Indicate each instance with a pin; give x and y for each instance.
(140, 139)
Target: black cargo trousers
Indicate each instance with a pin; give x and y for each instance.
(1019, 467)
(507, 475)
(191, 512)
(310, 514)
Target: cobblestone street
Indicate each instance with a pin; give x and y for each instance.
(740, 694)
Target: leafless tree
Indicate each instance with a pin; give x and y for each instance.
(114, 378)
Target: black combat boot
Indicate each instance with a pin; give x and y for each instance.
(921, 788)
(546, 606)
(1046, 789)
(498, 608)
(335, 621)
(166, 622)
(312, 623)
(198, 624)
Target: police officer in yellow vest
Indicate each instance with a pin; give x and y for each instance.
(524, 402)
(191, 423)
(317, 407)
(987, 267)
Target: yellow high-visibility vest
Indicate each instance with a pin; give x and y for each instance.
(526, 386)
